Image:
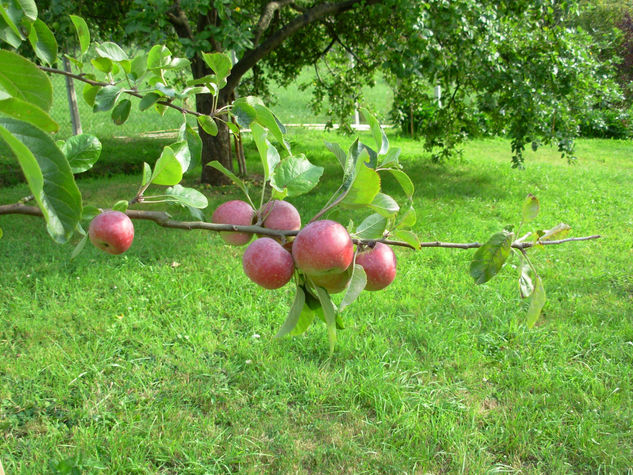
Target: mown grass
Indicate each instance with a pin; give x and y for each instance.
(163, 359)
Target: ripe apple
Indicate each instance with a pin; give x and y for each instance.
(267, 263)
(323, 247)
(112, 232)
(379, 264)
(282, 215)
(234, 212)
(334, 283)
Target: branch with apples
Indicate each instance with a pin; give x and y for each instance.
(321, 258)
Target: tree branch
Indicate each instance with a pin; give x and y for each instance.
(266, 17)
(178, 19)
(163, 219)
(311, 15)
(131, 92)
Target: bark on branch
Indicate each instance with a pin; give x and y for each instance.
(163, 219)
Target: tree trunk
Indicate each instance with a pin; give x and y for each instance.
(214, 148)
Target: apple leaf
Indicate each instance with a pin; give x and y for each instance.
(295, 176)
(530, 208)
(208, 125)
(526, 286)
(329, 312)
(121, 206)
(104, 65)
(89, 212)
(219, 63)
(43, 42)
(391, 159)
(167, 170)
(266, 118)
(365, 187)
(48, 174)
(407, 218)
(382, 143)
(158, 57)
(89, 93)
(147, 174)
(338, 152)
(372, 227)
(267, 152)
(121, 112)
(537, 301)
(295, 312)
(182, 153)
(105, 98)
(79, 247)
(218, 166)
(244, 112)
(404, 180)
(187, 197)
(28, 112)
(83, 32)
(82, 152)
(22, 79)
(111, 51)
(356, 285)
(557, 232)
(406, 236)
(489, 258)
(385, 205)
(194, 144)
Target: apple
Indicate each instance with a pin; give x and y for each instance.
(267, 263)
(379, 264)
(334, 283)
(234, 212)
(323, 247)
(112, 232)
(282, 215)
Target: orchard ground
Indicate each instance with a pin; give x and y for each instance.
(163, 359)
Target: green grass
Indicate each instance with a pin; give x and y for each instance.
(150, 362)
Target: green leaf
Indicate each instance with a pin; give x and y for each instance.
(111, 51)
(89, 212)
(1, 233)
(208, 125)
(218, 166)
(365, 187)
(121, 206)
(29, 9)
(244, 112)
(138, 67)
(147, 174)
(105, 98)
(158, 57)
(557, 232)
(406, 236)
(79, 247)
(338, 152)
(148, 100)
(407, 218)
(329, 311)
(194, 143)
(187, 197)
(89, 94)
(293, 315)
(295, 176)
(219, 63)
(266, 118)
(385, 205)
(489, 258)
(22, 79)
(372, 227)
(82, 152)
(28, 112)
(43, 42)
(10, 32)
(537, 301)
(391, 159)
(530, 208)
(182, 154)
(356, 285)
(167, 170)
(48, 174)
(83, 32)
(268, 154)
(526, 286)
(404, 180)
(233, 128)
(121, 112)
(382, 143)
(178, 63)
(102, 64)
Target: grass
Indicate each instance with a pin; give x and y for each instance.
(162, 360)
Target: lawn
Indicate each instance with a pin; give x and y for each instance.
(163, 360)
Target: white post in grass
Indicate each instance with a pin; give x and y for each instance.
(356, 112)
(72, 102)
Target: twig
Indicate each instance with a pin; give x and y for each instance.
(131, 92)
(163, 219)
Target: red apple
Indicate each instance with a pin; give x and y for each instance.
(267, 263)
(323, 247)
(112, 232)
(234, 212)
(280, 215)
(379, 264)
(334, 283)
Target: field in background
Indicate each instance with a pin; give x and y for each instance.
(162, 360)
